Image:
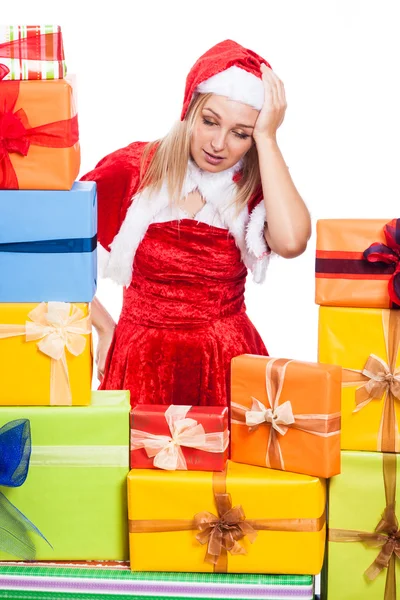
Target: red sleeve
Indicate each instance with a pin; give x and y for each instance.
(117, 178)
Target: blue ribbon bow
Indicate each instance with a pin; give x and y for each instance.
(15, 453)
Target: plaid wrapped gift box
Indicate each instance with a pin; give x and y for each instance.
(31, 52)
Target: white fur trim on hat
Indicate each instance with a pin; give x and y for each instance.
(236, 84)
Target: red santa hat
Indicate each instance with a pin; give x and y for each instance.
(227, 69)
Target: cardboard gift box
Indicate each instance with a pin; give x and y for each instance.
(179, 437)
(45, 354)
(364, 538)
(41, 150)
(75, 489)
(357, 263)
(31, 52)
(115, 580)
(366, 342)
(244, 520)
(48, 242)
(286, 414)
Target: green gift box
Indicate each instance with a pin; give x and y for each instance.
(364, 537)
(75, 490)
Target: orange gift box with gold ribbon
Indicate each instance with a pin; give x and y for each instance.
(358, 263)
(45, 354)
(39, 138)
(286, 414)
(366, 342)
(242, 520)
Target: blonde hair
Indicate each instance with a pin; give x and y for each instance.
(172, 153)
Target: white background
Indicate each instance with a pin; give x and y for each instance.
(339, 61)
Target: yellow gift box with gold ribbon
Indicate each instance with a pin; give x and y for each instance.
(366, 343)
(45, 354)
(246, 519)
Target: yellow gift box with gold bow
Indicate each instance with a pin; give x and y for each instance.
(45, 354)
(366, 343)
(242, 520)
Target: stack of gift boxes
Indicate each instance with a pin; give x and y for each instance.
(358, 288)
(63, 450)
(263, 510)
(209, 523)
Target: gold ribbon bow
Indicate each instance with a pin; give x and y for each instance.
(280, 417)
(57, 327)
(222, 533)
(381, 380)
(386, 535)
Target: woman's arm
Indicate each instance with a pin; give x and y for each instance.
(105, 326)
(288, 227)
(101, 319)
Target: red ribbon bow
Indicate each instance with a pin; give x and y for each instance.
(388, 253)
(16, 135)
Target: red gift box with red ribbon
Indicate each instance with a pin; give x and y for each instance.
(194, 438)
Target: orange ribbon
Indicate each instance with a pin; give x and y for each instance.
(223, 532)
(280, 417)
(386, 535)
(381, 380)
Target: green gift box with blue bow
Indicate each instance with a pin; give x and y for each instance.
(63, 476)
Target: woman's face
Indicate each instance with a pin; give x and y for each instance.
(222, 133)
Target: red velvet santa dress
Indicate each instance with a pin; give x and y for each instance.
(183, 317)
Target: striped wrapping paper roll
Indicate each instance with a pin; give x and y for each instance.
(88, 581)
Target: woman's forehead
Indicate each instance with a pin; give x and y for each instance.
(228, 109)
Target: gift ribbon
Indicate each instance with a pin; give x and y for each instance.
(223, 532)
(386, 535)
(15, 451)
(381, 380)
(57, 327)
(16, 135)
(60, 246)
(29, 48)
(185, 432)
(80, 456)
(280, 417)
(380, 254)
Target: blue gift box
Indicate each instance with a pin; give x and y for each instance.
(48, 244)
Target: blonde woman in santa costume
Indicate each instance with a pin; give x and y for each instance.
(183, 220)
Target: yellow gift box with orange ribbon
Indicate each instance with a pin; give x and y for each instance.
(366, 343)
(243, 520)
(45, 354)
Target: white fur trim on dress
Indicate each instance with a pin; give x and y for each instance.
(219, 190)
(237, 84)
(256, 244)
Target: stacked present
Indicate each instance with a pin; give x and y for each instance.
(192, 510)
(199, 523)
(63, 449)
(358, 288)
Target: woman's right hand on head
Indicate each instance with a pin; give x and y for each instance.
(103, 345)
